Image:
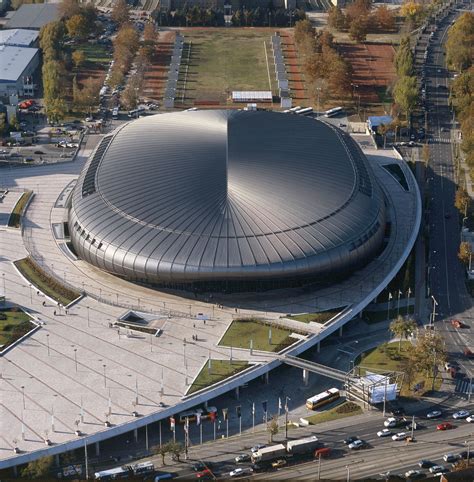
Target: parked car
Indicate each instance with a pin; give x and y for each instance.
(426, 464)
(436, 469)
(464, 454)
(434, 414)
(384, 433)
(444, 426)
(415, 474)
(461, 414)
(470, 419)
(450, 458)
(205, 474)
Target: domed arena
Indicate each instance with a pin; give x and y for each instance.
(222, 200)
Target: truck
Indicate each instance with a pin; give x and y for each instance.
(267, 454)
(302, 446)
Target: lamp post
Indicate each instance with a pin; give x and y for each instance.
(105, 377)
(348, 473)
(23, 392)
(286, 417)
(88, 318)
(75, 357)
(31, 295)
(4, 288)
(47, 341)
(433, 314)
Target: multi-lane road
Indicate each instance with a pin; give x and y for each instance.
(446, 280)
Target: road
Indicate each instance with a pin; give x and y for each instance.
(446, 277)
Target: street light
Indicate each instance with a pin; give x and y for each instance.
(105, 378)
(23, 391)
(47, 341)
(75, 357)
(348, 473)
(88, 318)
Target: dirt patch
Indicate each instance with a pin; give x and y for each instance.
(373, 69)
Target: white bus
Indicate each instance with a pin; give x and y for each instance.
(115, 113)
(294, 109)
(112, 474)
(334, 111)
(323, 398)
(305, 111)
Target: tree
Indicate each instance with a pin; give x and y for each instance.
(78, 57)
(462, 200)
(384, 19)
(382, 129)
(161, 450)
(77, 26)
(69, 8)
(149, 33)
(413, 12)
(405, 94)
(3, 124)
(402, 328)
(39, 468)
(336, 18)
(465, 252)
(272, 428)
(404, 59)
(459, 45)
(358, 29)
(176, 449)
(51, 39)
(303, 28)
(120, 12)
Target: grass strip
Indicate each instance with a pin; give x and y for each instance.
(240, 332)
(219, 370)
(14, 323)
(48, 285)
(15, 216)
(346, 409)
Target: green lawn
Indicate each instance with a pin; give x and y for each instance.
(388, 358)
(220, 370)
(223, 60)
(320, 317)
(15, 217)
(95, 53)
(376, 316)
(16, 324)
(346, 409)
(48, 285)
(240, 332)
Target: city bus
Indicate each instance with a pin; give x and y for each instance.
(305, 111)
(323, 398)
(334, 111)
(115, 113)
(113, 474)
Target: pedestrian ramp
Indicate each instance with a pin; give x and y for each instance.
(463, 386)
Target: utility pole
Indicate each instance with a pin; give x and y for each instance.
(319, 466)
(286, 417)
(87, 460)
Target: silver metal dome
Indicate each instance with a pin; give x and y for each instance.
(226, 195)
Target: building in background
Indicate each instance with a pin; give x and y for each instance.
(17, 68)
(33, 16)
(19, 37)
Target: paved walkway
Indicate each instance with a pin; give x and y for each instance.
(76, 372)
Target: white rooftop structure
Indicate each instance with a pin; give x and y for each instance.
(18, 37)
(14, 61)
(252, 96)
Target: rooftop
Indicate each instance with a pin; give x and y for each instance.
(13, 61)
(18, 37)
(33, 16)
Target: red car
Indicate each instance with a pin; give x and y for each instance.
(205, 474)
(444, 426)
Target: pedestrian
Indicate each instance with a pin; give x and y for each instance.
(38, 293)
(54, 312)
(194, 325)
(44, 303)
(236, 310)
(66, 312)
(204, 321)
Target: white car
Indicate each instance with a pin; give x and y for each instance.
(470, 419)
(461, 414)
(241, 471)
(391, 422)
(384, 433)
(257, 447)
(434, 414)
(400, 436)
(357, 444)
(436, 469)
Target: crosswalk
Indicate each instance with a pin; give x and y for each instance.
(439, 140)
(463, 386)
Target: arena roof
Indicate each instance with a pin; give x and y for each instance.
(226, 195)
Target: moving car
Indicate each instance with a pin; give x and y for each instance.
(465, 454)
(384, 433)
(257, 447)
(357, 444)
(350, 440)
(444, 426)
(241, 471)
(434, 414)
(461, 414)
(437, 468)
(470, 419)
(242, 458)
(450, 458)
(200, 466)
(205, 474)
(400, 436)
(415, 474)
(392, 422)
(426, 464)
(279, 463)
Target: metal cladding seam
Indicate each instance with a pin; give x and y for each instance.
(227, 195)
